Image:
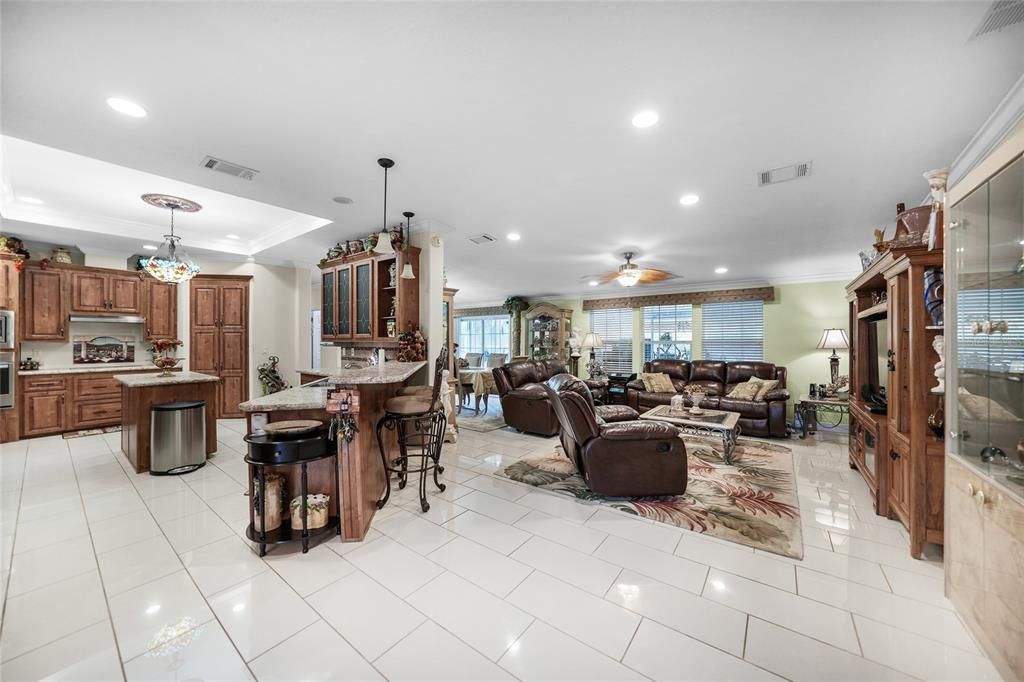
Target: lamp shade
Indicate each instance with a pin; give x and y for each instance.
(407, 272)
(592, 340)
(834, 339)
(384, 243)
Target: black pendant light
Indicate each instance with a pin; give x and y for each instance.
(384, 238)
(407, 272)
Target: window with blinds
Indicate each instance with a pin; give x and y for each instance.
(484, 334)
(668, 332)
(997, 352)
(615, 327)
(733, 331)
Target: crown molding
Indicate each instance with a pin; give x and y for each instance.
(1007, 114)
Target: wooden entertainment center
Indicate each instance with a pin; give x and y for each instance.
(891, 337)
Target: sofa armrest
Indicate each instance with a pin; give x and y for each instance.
(776, 394)
(639, 430)
(528, 392)
(616, 413)
(636, 385)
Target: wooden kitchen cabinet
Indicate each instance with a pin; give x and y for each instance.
(44, 305)
(219, 337)
(43, 413)
(8, 284)
(101, 291)
(160, 310)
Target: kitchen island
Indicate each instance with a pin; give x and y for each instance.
(360, 469)
(139, 392)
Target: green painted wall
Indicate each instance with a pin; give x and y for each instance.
(793, 323)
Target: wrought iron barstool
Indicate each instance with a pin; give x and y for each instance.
(418, 417)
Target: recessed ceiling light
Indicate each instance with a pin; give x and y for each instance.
(30, 200)
(645, 119)
(150, 247)
(513, 236)
(721, 270)
(232, 236)
(126, 107)
(341, 200)
(689, 199)
(593, 282)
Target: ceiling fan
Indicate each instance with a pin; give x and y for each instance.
(630, 274)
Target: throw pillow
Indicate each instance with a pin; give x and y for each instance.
(657, 383)
(745, 391)
(764, 385)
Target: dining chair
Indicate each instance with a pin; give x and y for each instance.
(496, 360)
(474, 359)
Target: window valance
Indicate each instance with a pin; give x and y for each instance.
(691, 297)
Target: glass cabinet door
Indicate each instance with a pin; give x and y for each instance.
(344, 327)
(987, 232)
(363, 302)
(1006, 314)
(327, 304)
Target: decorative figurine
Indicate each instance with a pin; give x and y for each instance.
(939, 344)
(393, 275)
(937, 185)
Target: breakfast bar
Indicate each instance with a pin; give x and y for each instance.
(360, 470)
(140, 392)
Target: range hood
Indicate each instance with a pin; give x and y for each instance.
(120, 319)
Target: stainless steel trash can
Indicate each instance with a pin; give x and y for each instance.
(177, 437)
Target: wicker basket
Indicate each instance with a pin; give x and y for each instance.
(316, 511)
(275, 502)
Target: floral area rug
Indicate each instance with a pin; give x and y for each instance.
(752, 502)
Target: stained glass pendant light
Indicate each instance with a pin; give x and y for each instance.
(171, 264)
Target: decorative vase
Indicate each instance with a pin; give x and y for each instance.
(61, 255)
(937, 422)
(316, 511)
(275, 502)
(933, 289)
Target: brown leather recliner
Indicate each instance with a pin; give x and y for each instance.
(765, 417)
(523, 401)
(622, 459)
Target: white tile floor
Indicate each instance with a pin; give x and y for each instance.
(107, 574)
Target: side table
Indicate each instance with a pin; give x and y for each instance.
(810, 410)
(617, 387)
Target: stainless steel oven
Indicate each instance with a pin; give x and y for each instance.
(7, 379)
(7, 336)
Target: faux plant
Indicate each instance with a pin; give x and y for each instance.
(514, 305)
(412, 346)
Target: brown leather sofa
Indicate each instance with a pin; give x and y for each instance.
(526, 405)
(766, 417)
(631, 458)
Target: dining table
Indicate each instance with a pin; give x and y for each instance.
(481, 381)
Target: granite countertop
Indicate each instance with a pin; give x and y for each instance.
(388, 373)
(138, 380)
(312, 398)
(88, 369)
(315, 397)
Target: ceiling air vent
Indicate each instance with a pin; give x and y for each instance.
(782, 174)
(482, 238)
(222, 166)
(1001, 14)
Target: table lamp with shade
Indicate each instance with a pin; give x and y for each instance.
(593, 340)
(834, 339)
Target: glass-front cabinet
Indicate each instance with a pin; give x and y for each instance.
(343, 329)
(985, 298)
(548, 328)
(328, 304)
(363, 299)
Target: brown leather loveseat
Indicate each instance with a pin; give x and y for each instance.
(525, 403)
(523, 400)
(766, 417)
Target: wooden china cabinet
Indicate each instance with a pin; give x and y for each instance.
(548, 328)
(219, 336)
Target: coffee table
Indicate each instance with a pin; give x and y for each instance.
(716, 424)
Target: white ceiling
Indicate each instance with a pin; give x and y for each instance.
(516, 116)
(82, 193)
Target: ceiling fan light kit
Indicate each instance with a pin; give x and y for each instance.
(630, 274)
